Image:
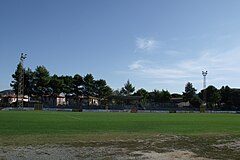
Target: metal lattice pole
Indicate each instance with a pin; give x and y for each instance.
(20, 96)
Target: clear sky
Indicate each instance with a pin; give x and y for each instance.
(156, 44)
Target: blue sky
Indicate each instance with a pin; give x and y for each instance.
(156, 44)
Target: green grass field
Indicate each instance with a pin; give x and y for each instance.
(159, 132)
(52, 123)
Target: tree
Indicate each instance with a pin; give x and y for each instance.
(117, 92)
(142, 92)
(107, 91)
(190, 95)
(213, 96)
(67, 84)
(56, 85)
(196, 101)
(190, 91)
(78, 84)
(225, 93)
(165, 96)
(154, 96)
(16, 76)
(41, 81)
(28, 82)
(28, 77)
(102, 89)
(235, 98)
(160, 96)
(128, 89)
(88, 85)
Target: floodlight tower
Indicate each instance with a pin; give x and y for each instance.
(204, 73)
(20, 95)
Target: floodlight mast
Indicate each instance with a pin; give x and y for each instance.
(20, 95)
(204, 73)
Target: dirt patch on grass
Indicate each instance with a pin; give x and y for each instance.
(57, 152)
(156, 147)
(233, 144)
(174, 155)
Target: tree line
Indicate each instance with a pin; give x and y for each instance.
(225, 98)
(39, 82)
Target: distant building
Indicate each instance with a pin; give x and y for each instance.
(8, 99)
(83, 101)
(50, 100)
(180, 102)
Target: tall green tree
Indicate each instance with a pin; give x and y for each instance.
(165, 96)
(89, 85)
(143, 93)
(160, 96)
(56, 85)
(102, 89)
(190, 96)
(225, 93)
(41, 81)
(154, 96)
(78, 85)
(189, 93)
(128, 89)
(107, 91)
(28, 82)
(67, 84)
(213, 97)
(16, 76)
(235, 98)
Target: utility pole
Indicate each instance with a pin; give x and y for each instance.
(20, 96)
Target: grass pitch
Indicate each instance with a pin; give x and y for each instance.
(214, 136)
(67, 123)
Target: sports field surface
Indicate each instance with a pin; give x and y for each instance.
(51, 123)
(119, 135)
